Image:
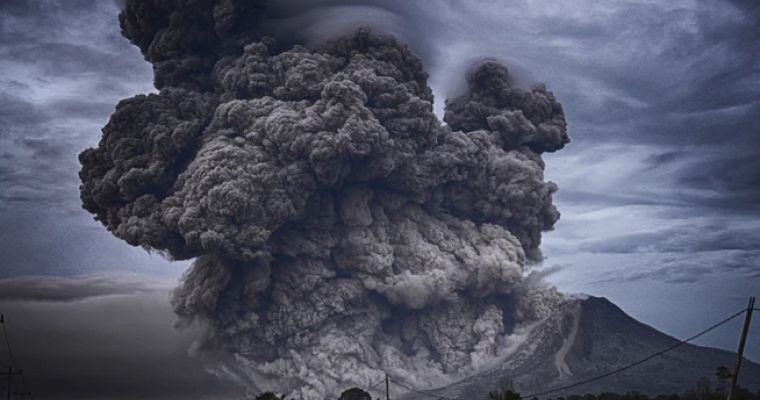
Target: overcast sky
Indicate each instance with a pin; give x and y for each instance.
(659, 189)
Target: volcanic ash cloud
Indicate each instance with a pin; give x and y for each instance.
(339, 229)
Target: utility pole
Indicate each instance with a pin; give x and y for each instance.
(10, 374)
(740, 352)
(387, 388)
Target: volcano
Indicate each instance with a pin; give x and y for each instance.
(591, 336)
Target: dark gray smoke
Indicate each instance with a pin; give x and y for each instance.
(340, 229)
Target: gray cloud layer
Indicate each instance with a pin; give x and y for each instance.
(66, 289)
(661, 98)
(65, 66)
(105, 337)
(677, 88)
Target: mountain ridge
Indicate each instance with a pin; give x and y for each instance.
(592, 336)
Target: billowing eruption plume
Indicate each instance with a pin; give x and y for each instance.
(339, 229)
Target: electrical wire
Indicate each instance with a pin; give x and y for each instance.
(602, 376)
(428, 394)
(431, 395)
(641, 361)
(8, 344)
(15, 388)
(377, 384)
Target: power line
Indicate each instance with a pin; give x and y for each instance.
(373, 387)
(23, 392)
(643, 360)
(598, 377)
(428, 394)
(10, 373)
(16, 391)
(7, 341)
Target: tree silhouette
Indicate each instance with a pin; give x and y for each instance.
(724, 376)
(355, 394)
(269, 396)
(507, 392)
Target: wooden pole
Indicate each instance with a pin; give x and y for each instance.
(740, 351)
(387, 389)
(10, 374)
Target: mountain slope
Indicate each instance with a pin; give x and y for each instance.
(591, 337)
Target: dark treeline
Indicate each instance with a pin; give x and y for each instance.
(704, 389)
(741, 394)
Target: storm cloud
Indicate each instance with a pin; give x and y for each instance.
(661, 98)
(340, 229)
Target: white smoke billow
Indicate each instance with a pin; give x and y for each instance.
(339, 229)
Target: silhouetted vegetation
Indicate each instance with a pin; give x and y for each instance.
(504, 395)
(269, 396)
(700, 393)
(355, 394)
(703, 390)
(507, 392)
